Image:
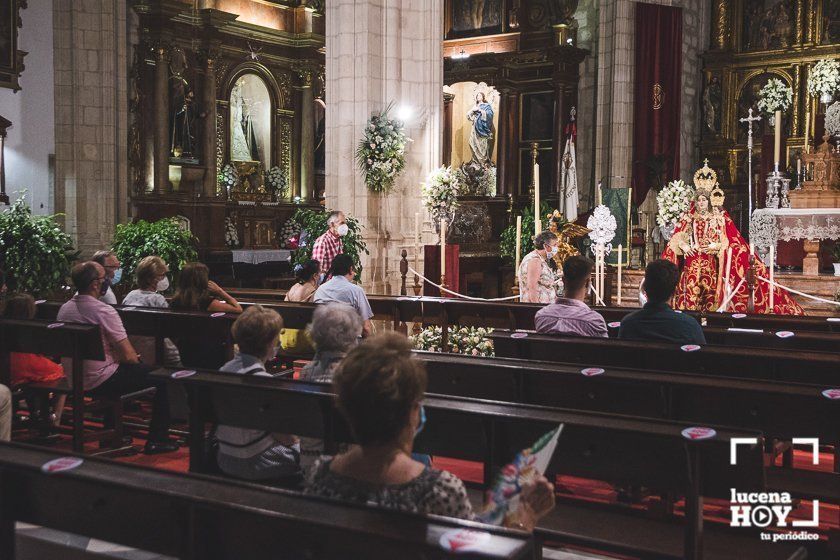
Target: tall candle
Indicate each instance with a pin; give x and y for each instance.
(777, 145)
(772, 276)
(798, 166)
(518, 244)
(442, 250)
(752, 249)
(620, 260)
(728, 267)
(598, 195)
(537, 217)
(807, 131)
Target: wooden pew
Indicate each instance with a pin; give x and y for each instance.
(196, 517)
(820, 368)
(618, 449)
(66, 340)
(780, 410)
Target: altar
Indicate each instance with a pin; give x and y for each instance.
(812, 225)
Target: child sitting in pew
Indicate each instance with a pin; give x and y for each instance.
(33, 368)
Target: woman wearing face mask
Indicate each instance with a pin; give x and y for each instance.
(380, 388)
(536, 278)
(151, 282)
(256, 454)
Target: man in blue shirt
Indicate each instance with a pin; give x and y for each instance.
(341, 289)
(656, 320)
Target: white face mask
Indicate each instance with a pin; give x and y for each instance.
(342, 230)
(551, 251)
(162, 285)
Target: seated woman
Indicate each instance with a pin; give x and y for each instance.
(151, 280)
(256, 454)
(380, 389)
(33, 368)
(336, 328)
(196, 292)
(296, 341)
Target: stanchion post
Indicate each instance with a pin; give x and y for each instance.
(403, 271)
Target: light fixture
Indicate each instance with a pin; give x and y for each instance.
(462, 54)
(405, 112)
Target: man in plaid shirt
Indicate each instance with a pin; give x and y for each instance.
(328, 246)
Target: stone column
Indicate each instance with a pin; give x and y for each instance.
(447, 128)
(161, 136)
(382, 51)
(307, 135)
(210, 170)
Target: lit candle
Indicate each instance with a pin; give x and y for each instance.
(777, 145)
(518, 244)
(442, 251)
(537, 217)
(620, 261)
(798, 166)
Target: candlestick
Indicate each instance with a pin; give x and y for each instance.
(777, 145)
(807, 130)
(442, 253)
(772, 276)
(620, 260)
(537, 217)
(518, 245)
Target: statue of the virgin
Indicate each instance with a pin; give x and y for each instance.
(481, 115)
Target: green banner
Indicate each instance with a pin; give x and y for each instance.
(618, 201)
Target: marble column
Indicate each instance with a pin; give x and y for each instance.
(379, 52)
(161, 136)
(209, 155)
(307, 135)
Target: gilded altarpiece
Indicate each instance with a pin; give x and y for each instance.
(211, 93)
(751, 42)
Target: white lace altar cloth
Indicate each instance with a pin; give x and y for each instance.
(771, 225)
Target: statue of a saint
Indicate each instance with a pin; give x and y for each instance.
(243, 141)
(481, 115)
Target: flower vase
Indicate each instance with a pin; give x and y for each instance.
(826, 98)
(772, 120)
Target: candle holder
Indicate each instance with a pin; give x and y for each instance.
(778, 188)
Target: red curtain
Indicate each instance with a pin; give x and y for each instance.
(656, 132)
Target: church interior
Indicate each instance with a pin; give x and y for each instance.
(427, 278)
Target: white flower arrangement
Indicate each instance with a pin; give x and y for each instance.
(276, 180)
(381, 152)
(603, 226)
(824, 78)
(775, 96)
(228, 177)
(471, 341)
(440, 193)
(289, 234)
(231, 235)
(673, 201)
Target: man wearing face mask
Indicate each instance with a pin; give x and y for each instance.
(328, 246)
(537, 283)
(121, 372)
(113, 274)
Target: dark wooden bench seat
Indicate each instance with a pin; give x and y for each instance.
(196, 517)
(614, 448)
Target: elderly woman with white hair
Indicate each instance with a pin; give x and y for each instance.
(335, 329)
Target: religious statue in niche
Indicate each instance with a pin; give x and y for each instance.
(475, 17)
(480, 171)
(250, 121)
(183, 110)
(768, 24)
(243, 141)
(712, 99)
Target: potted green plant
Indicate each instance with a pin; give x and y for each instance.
(34, 251)
(314, 223)
(164, 238)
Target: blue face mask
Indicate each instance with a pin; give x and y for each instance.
(117, 276)
(422, 421)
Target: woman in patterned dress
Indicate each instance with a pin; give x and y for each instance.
(537, 280)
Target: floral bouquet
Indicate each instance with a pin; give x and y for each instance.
(673, 201)
(471, 341)
(440, 193)
(824, 79)
(381, 152)
(277, 182)
(775, 96)
(289, 234)
(231, 235)
(228, 177)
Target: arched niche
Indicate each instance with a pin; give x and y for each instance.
(250, 126)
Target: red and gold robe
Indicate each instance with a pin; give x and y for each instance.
(703, 274)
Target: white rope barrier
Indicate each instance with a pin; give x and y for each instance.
(729, 297)
(456, 294)
(797, 292)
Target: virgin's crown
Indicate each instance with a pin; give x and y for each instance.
(705, 178)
